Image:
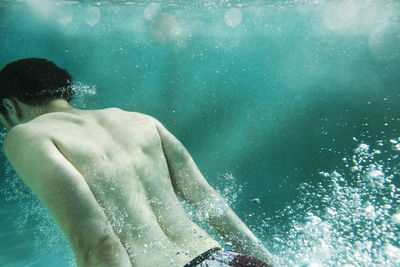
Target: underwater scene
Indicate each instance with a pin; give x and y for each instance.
(291, 110)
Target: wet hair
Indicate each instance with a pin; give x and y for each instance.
(34, 81)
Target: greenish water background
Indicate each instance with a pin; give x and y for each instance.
(272, 102)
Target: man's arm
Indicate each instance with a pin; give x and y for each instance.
(190, 185)
(66, 194)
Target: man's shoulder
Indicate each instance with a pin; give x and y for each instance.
(16, 133)
(133, 113)
(114, 111)
(21, 139)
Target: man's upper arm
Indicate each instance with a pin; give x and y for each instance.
(190, 184)
(186, 178)
(59, 185)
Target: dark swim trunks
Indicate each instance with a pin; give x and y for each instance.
(217, 257)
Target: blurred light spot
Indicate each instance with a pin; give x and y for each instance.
(233, 17)
(64, 15)
(341, 15)
(152, 10)
(165, 28)
(51, 10)
(93, 15)
(357, 16)
(44, 8)
(384, 42)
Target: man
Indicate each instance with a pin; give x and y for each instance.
(112, 178)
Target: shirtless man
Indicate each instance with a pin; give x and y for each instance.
(112, 178)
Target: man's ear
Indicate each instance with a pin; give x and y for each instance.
(8, 104)
(13, 110)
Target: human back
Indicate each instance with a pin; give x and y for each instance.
(120, 156)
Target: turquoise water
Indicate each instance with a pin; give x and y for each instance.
(290, 109)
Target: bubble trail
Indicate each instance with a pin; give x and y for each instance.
(350, 219)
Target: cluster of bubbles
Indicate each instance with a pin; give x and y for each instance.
(2, 134)
(82, 93)
(230, 189)
(351, 219)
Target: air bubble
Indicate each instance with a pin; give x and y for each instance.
(330, 211)
(396, 147)
(391, 252)
(313, 220)
(362, 148)
(396, 219)
(375, 177)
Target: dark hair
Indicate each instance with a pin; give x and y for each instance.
(34, 81)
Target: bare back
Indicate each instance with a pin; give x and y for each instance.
(120, 156)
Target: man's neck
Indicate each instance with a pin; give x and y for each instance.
(58, 105)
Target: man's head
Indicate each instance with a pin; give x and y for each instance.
(34, 82)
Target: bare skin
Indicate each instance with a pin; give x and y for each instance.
(111, 179)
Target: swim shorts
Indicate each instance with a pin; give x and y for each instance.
(216, 257)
